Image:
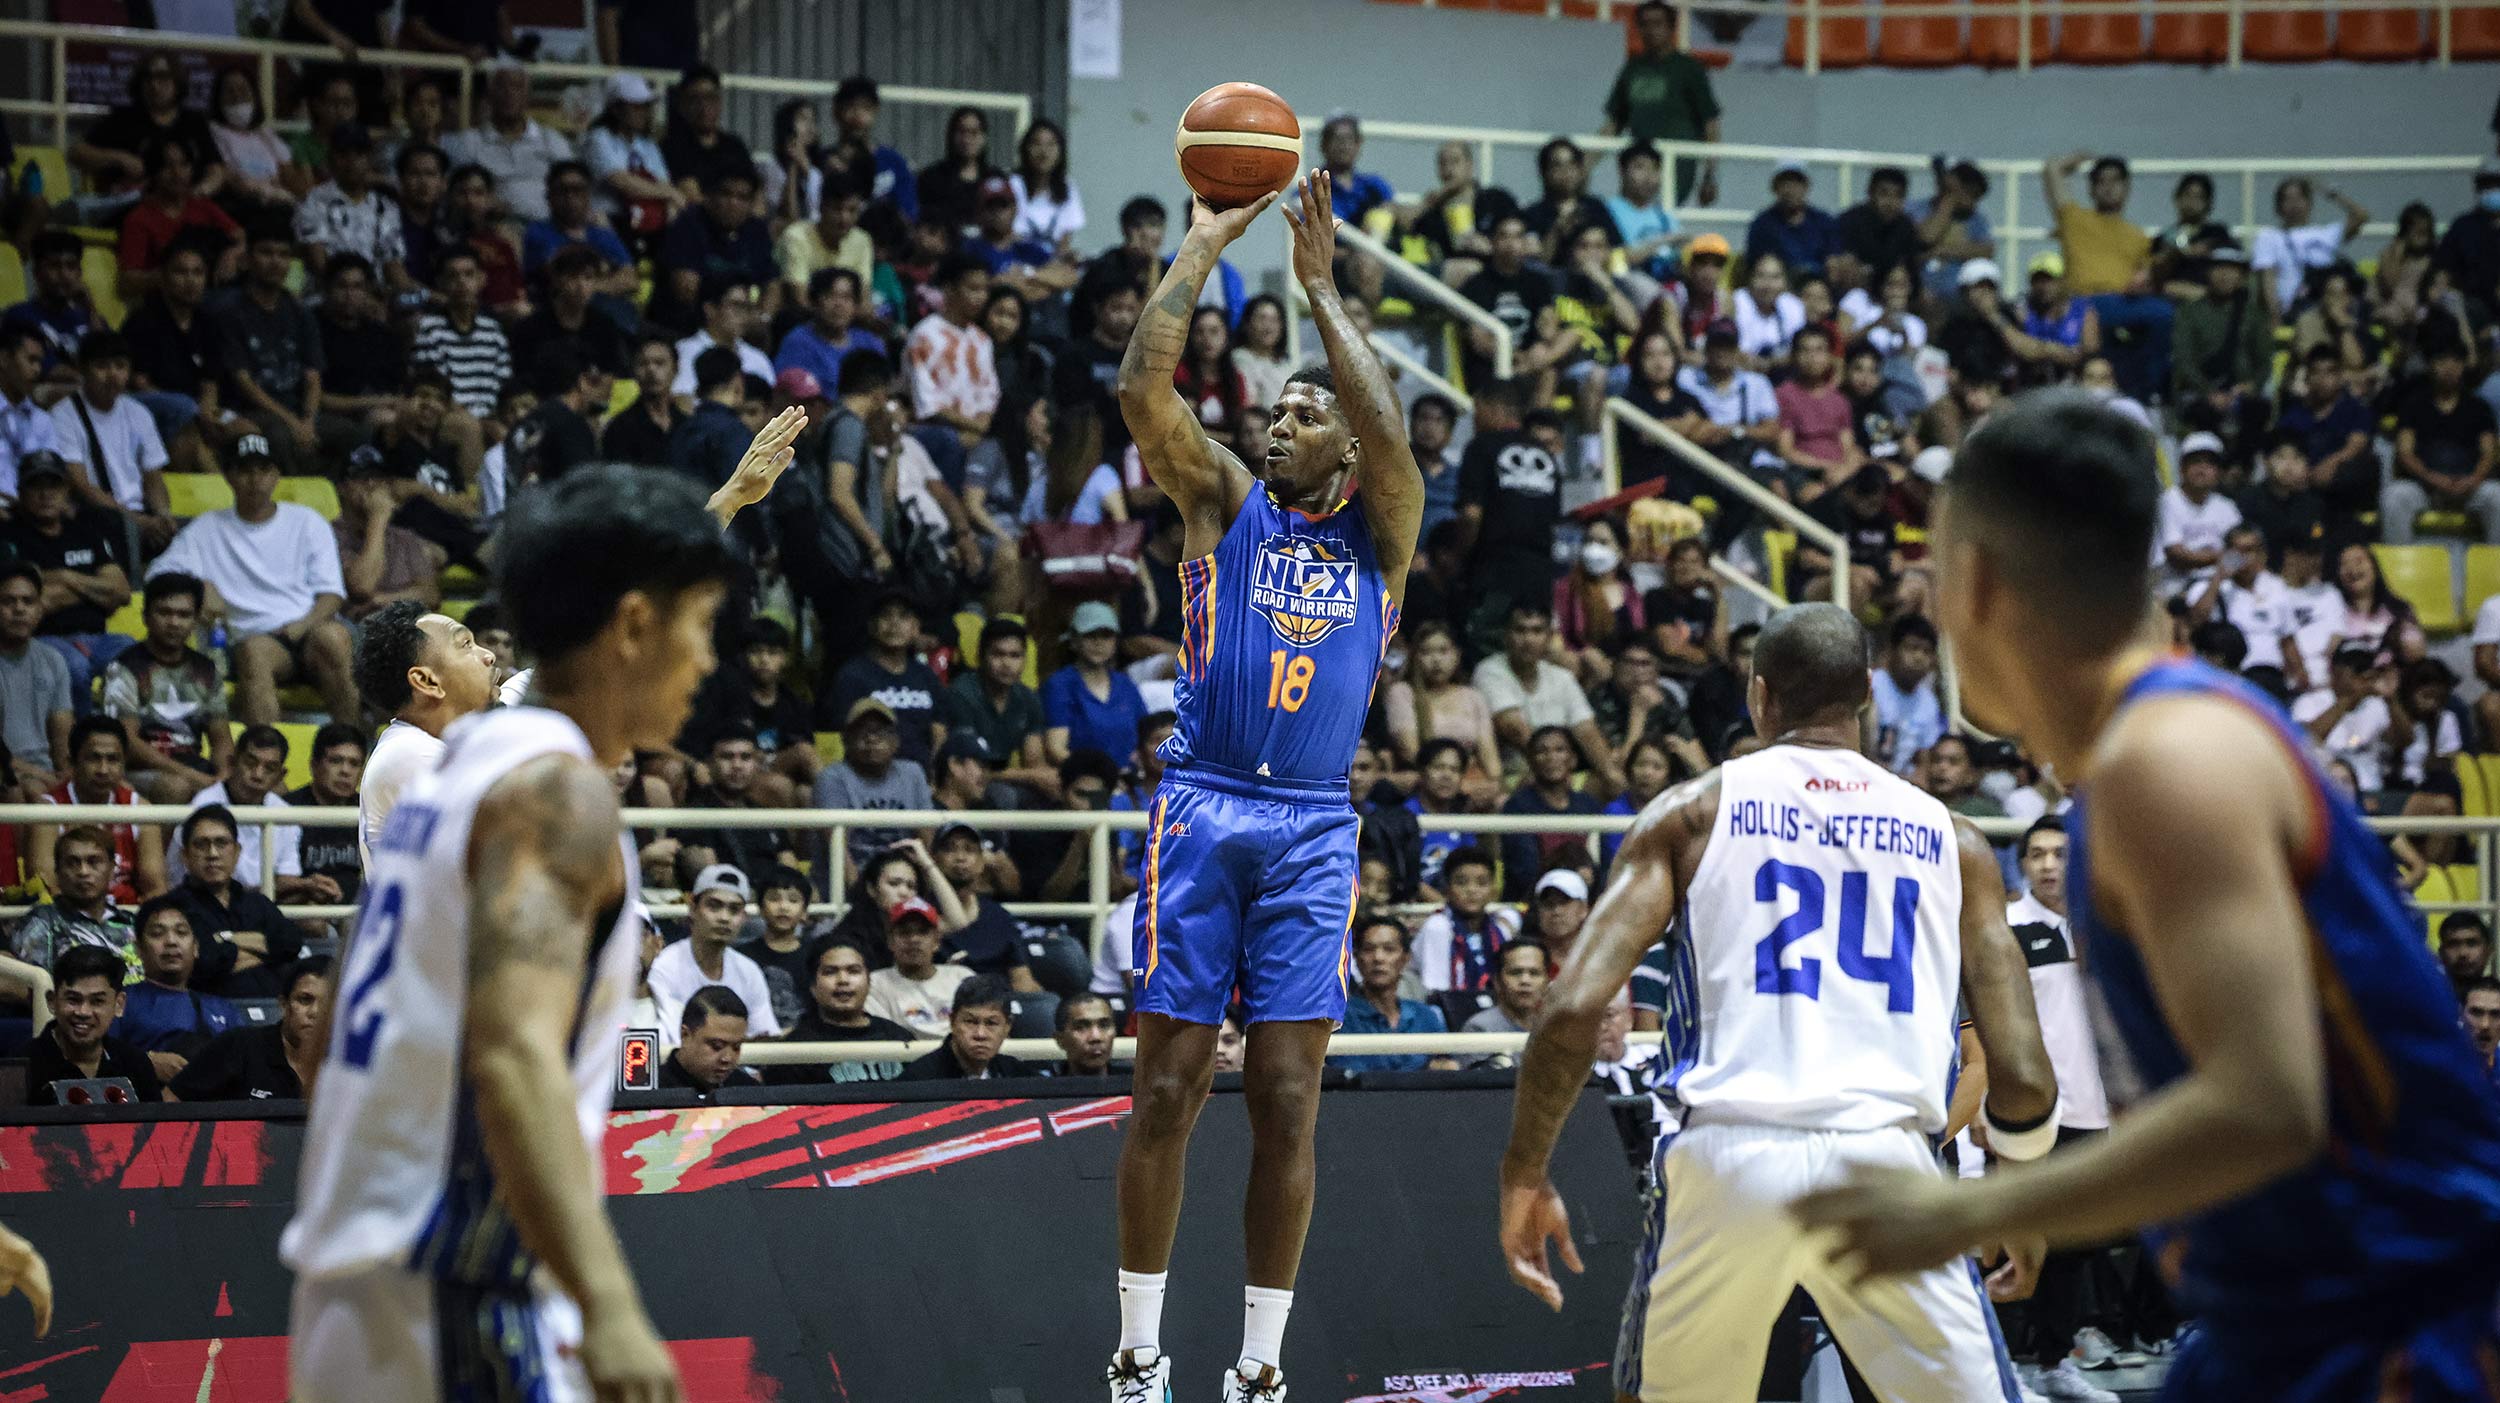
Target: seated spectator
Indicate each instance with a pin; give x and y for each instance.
(554, 438)
(2060, 330)
(1859, 511)
(989, 941)
(781, 951)
(243, 936)
(1815, 419)
(1441, 786)
(569, 318)
(1634, 707)
(976, 1028)
(1032, 268)
(364, 364)
(886, 877)
(1644, 225)
(162, 1015)
(1528, 694)
(430, 453)
(1739, 406)
(138, 854)
(1432, 421)
(86, 1000)
(1973, 384)
(1509, 499)
(749, 694)
(837, 1011)
(347, 214)
(639, 432)
(2179, 251)
(1048, 205)
(954, 375)
(819, 344)
(263, 1063)
(461, 341)
(272, 572)
(736, 780)
(2281, 503)
(1089, 704)
(1552, 760)
(425, 115)
(2253, 599)
(2109, 260)
(1460, 946)
(2426, 692)
(2373, 616)
(425, 223)
(270, 347)
(730, 317)
(259, 766)
(992, 703)
(1687, 616)
(169, 697)
(1456, 220)
(1521, 297)
(1882, 321)
(712, 1031)
(175, 367)
(1051, 866)
(83, 910)
(1883, 411)
(916, 991)
(110, 154)
(2446, 441)
(83, 580)
(626, 163)
(1085, 1030)
(1877, 236)
(2287, 254)
(870, 774)
(2194, 515)
(1802, 237)
(474, 223)
(510, 145)
(168, 211)
(1381, 947)
(831, 239)
(2353, 720)
(2224, 353)
(36, 703)
(1518, 989)
(1908, 716)
(258, 164)
(720, 241)
(2100, 379)
(1596, 605)
(571, 223)
(2340, 320)
(1433, 703)
(1952, 229)
(1205, 377)
(716, 909)
(889, 671)
(1954, 780)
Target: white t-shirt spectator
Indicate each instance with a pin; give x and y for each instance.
(1767, 332)
(1431, 960)
(519, 165)
(368, 228)
(2195, 525)
(401, 753)
(126, 433)
(1864, 312)
(2291, 253)
(288, 838)
(1745, 400)
(674, 979)
(1112, 953)
(923, 1005)
(2359, 740)
(2435, 738)
(2262, 614)
(2065, 1022)
(954, 369)
(1553, 698)
(2315, 612)
(269, 574)
(1044, 219)
(750, 360)
(1906, 722)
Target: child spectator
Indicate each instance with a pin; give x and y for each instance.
(781, 951)
(1460, 945)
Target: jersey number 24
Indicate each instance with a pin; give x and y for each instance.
(1772, 975)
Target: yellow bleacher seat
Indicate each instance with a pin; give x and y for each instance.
(318, 493)
(968, 637)
(12, 276)
(129, 620)
(829, 746)
(2466, 881)
(54, 163)
(196, 494)
(2421, 576)
(1779, 546)
(620, 395)
(102, 271)
(2482, 577)
(457, 608)
(299, 739)
(2445, 523)
(460, 579)
(2436, 887)
(2474, 790)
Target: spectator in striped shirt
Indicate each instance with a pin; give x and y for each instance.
(461, 341)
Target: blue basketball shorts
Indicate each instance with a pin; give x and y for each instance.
(2447, 1353)
(1249, 883)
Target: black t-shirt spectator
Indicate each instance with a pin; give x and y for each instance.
(1696, 608)
(2446, 439)
(1519, 486)
(656, 33)
(240, 1064)
(598, 340)
(673, 1078)
(274, 345)
(1870, 536)
(81, 546)
(689, 159)
(1524, 855)
(1644, 460)
(329, 851)
(2296, 516)
(912, 694)
(1515, 298)
(726, 701)
(46, 1064)
(991, 943)
(1879, 244)
(634, 437)
(434, 465)
(1433, 226)
(128, 129)
(785, 974)
(1583, 210)
(362, 359)
(551, 442)
(174, 359)
(812, 1028)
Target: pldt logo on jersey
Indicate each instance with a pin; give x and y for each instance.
(1305, 587)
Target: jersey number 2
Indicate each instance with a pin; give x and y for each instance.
(377, 930)
(1771, 975)
(1289, 682)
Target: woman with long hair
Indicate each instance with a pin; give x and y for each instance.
(888, 876)
(792, 184)
(1023, 366)
(1646, 768)
(1434, 703)
(2411, 248)
(950, 185)
(2374, 616)
(1205, 377)
(256, 160)
(108, 155)
(1595, 605)
(1884, 321)
(1048, 208)
(1650, 371)
(1440, 788)
(1258, 353)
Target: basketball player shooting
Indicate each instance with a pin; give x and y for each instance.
(450, 1239)
(1832, 914)
(2309, 1126)
(1291, 579)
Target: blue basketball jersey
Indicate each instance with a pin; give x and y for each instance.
(2403, 1206)
(1282, 629)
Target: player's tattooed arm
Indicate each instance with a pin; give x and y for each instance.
(1201, 476)
(543, 862)
(1996, 982)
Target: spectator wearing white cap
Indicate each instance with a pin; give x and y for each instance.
(2193, 517)
(625, 160)
(513, 148)
(716, 910)
(1560, 906)
(1803, 237)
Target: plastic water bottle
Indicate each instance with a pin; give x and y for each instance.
(217, 646)
(31, 179)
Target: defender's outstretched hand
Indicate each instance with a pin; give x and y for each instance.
(1533, 1216)
(762, 464)
(1884, 1224)
(1314, 230)
(1226, 225)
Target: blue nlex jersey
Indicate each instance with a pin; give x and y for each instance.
(2402, 1209)
(1282, 629)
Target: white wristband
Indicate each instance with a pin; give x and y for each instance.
(2020, 1145)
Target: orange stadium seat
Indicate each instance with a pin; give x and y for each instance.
(2474, 33)
(2186, 38)
(2286, 36)
(1920, 41)
(1843, 43)
(1996, 43)
(2380, 36)
(2100, 38)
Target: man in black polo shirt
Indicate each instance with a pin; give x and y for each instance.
(975, 1032)
(639, 432)
(710, 1039)
(338, 768)
(265, 1063)
(364, 361)
(244, 937)
(86, 997)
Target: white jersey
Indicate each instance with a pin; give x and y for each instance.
(1825, 921)
(402, 753)
(395, 1174)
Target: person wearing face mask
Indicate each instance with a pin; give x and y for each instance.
(1595, 604)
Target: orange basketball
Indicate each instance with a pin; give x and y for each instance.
(1237, 142)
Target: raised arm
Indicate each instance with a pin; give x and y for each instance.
(1201, 476)
(1392, 495)
(1651, 871)
(543, 863)
(1996, 988)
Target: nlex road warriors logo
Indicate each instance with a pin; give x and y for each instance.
(1306, 588)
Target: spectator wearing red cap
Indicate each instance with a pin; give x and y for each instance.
(716, 909)
(1031, 267)
(915, 991)
(816, 347)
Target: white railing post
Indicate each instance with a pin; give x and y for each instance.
(2236, 24)
(268, 857)
(2010, 238)
(2248, 204)
(60, 98)
(1814, 37)
(1433, 289)
(1098, 886)
(2022, 52)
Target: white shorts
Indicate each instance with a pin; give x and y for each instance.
(1721, 1257)
(396, 1337)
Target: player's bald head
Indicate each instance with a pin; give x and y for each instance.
(1812, 663)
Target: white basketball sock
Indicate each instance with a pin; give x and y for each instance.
(1141, 1310)
(1263, 1313)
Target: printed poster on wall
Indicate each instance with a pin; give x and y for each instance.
(1094, 38)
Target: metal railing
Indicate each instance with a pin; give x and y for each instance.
(1430, 288)
(59, 109)
(1763, 499)
(783, 1054)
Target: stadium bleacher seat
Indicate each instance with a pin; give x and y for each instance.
(2466, 881)
(1778, 546)
(2436, 887)
(829, 745)
(102, 270)
(620, 395)
(2489, 767)
(2187, 38)
(196, 494)
(318, 493)
(2286, 36)
(2482, 577)
(54, 163)
(2380, 36)
(2474, 793)
(2100, 38)
(299, 739)
(460, 579)
(130, 620)
(1919, 41)
(1996, 43)
(456, 608)
(12, 276)
(2422, 577)
(2475, 33)
(1841, 43)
